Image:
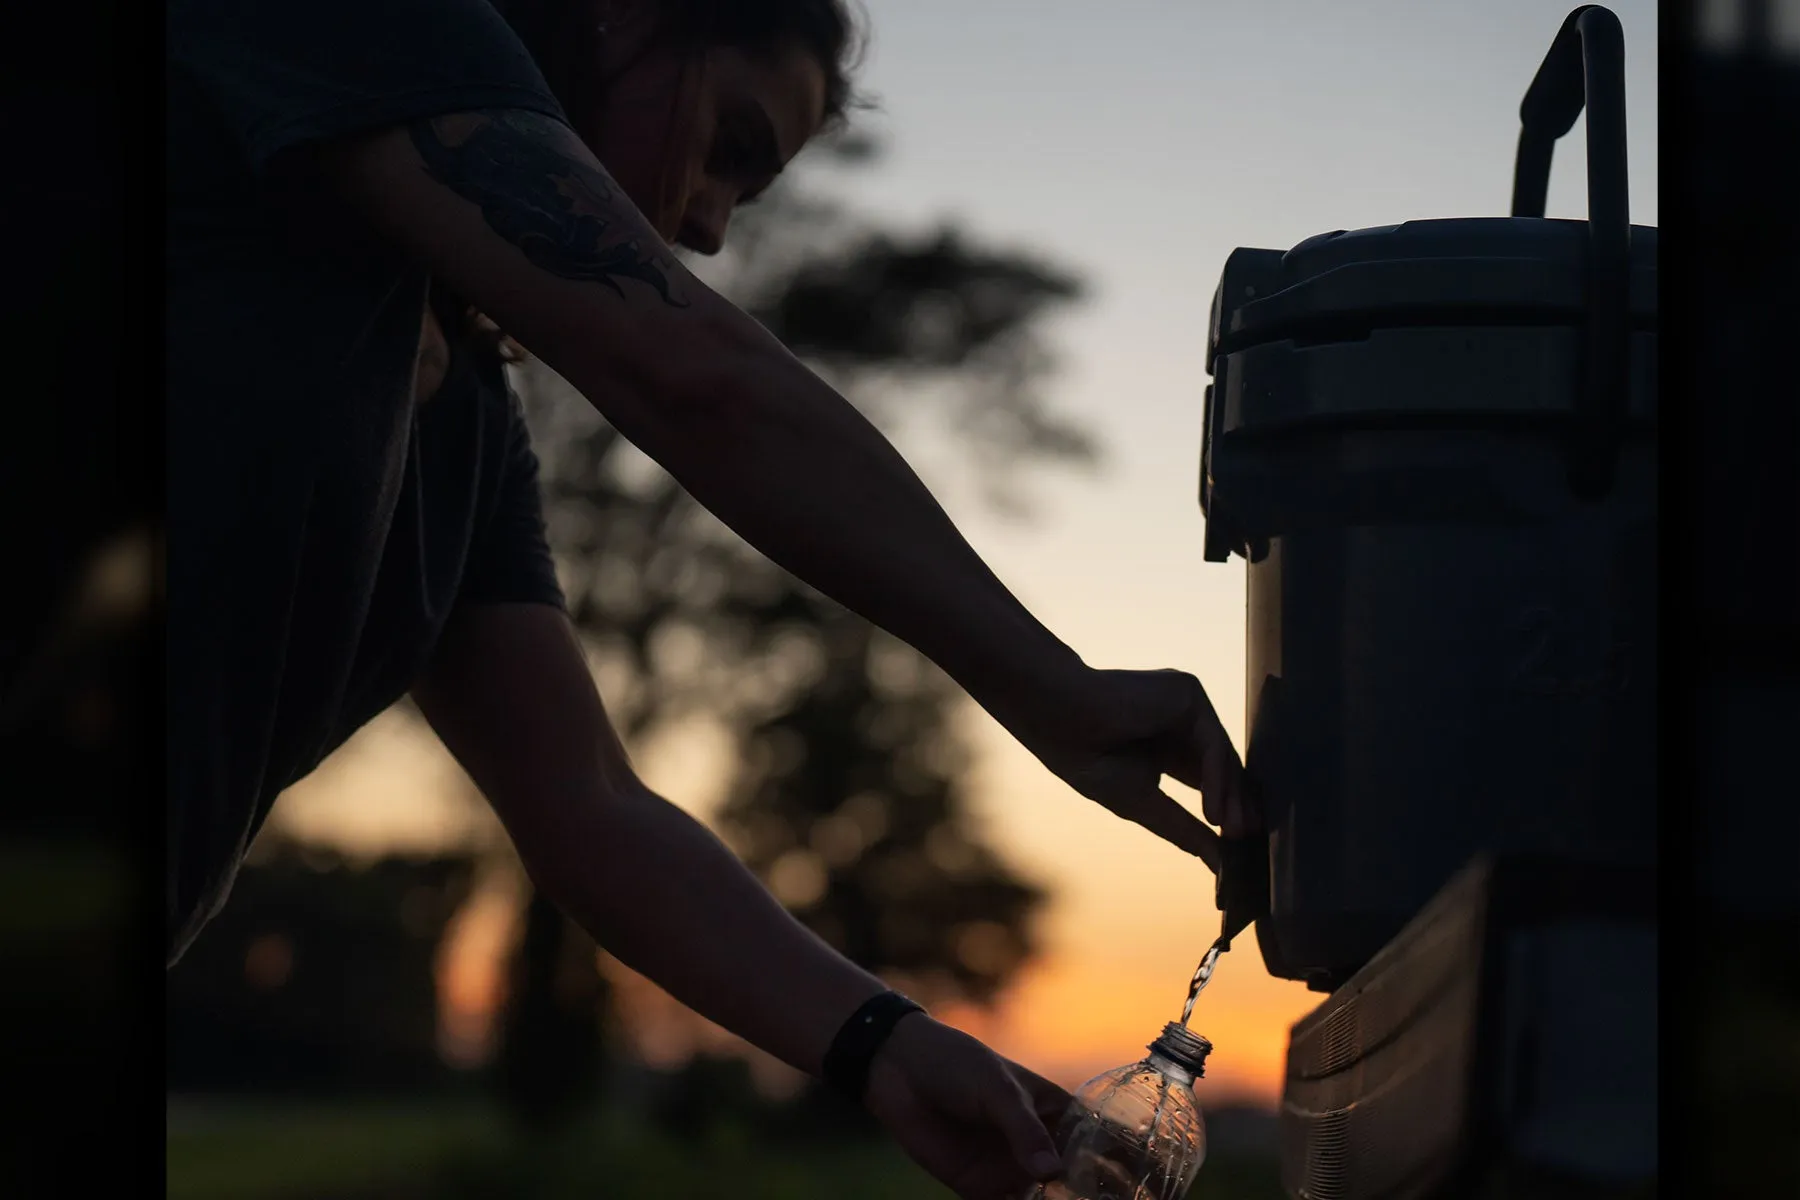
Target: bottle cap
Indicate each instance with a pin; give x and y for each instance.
(1183, 1047)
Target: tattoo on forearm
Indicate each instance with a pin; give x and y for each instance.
(562, 213)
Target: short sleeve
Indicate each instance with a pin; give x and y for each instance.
(281, 73)
(510, 560)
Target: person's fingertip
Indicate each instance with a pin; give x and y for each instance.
(1218, 806)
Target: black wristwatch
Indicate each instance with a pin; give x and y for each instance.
(845, 1069)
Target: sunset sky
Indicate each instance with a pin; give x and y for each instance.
(1137, 141)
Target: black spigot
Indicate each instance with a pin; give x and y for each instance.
(1241, 885)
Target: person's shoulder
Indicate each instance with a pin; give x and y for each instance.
(426, 16)
(296, 25)
(283, 72)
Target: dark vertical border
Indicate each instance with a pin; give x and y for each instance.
(81, 461)
(143, 58)
(1731, 521)
(1677, 27)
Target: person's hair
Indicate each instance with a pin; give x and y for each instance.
(561, 38)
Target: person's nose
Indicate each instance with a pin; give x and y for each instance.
(704, 223)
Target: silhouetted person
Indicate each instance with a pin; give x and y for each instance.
(350, 518)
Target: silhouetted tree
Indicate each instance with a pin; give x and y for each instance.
(318, 975)
(846, 802)
(551, 1041)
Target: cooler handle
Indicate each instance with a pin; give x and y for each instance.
(1585, 67)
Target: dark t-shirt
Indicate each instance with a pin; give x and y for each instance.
(322, 526)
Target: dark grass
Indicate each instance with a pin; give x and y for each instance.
(465, 1152)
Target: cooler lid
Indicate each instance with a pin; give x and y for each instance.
(1465, 271)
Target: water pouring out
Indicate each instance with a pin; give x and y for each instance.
(1202, 975)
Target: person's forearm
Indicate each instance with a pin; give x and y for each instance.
(666, 898)
(801, 475)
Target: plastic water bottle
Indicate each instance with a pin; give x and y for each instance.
(1135, 1132)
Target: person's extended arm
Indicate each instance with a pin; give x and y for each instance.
(509, 693)
(513, 211)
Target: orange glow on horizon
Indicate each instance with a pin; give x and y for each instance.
(470, 983)
(1069, 1021)
(1062, 1018)
(1128, 918)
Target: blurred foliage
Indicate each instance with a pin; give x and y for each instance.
(846, 802)
(317, 976)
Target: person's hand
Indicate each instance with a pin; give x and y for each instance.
(1120, 732)
(978, 1123)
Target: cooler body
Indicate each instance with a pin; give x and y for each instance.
(1450, 650)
